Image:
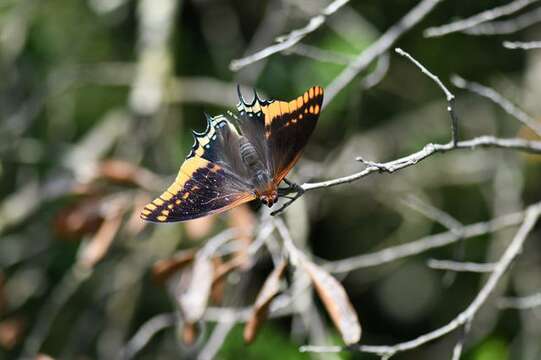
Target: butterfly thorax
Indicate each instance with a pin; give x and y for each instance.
(260, 177)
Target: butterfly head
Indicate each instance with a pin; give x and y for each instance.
(269, 198)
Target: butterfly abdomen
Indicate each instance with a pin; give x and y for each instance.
(259, 174)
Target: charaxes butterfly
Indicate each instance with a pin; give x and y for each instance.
(239, 158)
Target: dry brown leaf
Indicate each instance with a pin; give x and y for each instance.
(199, 228)
(163, 269)
(135, 224)
(121, 171)
(82, 218)
(244, 222)
(43, 357)
(11, 331)
(221, 270)
(3, 299)
(336, 301)
(98, 246)
(189, 333)
(270, 289)
(193, 302)
(528, 134)
(218, 283)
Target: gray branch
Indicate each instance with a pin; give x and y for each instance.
(522, 303)
(458, 266)
(511, 252)
(448, 95)
(428, 150)
(424, 244)
(506, 26)
(522, 45)
(498, 99)
(480, 18)
(286, 41)
(380, 46)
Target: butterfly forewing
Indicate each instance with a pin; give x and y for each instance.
(214, 177)
(210, 180)
(282, 128)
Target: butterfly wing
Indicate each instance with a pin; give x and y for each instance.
(282, 128)
(210, 180)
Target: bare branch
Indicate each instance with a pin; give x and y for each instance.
(506, 26)
(511, 252)
(498, 99)
(380, 46)
(146, 332)
(287, 41)
(457, 350)
(424, 244)
(50, 310)
(216, 340)
(434, 214)
(522, 45)
(378, 74)
(480, 18)
(522, 303)
(450, 265)
(533, 147)
(448, 95)
(318, 54)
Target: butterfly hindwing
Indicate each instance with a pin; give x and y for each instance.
(283, 127)
(208, 181)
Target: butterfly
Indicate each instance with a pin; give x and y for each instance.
(239, 158)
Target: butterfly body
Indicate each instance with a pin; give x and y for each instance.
(239, 159)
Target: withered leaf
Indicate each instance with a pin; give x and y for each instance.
(199, 228)
(134, 225)
(244, 222)
(336, 301)
(98, 246)
(11, 332)
(121, 171)
(189, 333)
(193, 302)
(81, 218)
(3, 300)
(270, 289)
(164, 268)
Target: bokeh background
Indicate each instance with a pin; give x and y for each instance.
(97, 100)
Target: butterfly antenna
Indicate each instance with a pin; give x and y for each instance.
(232, 114)
(256, 96)
(240, 95)
(209, 122)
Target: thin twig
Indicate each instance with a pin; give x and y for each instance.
(448, 95)
(287, 41)
(216, 340)
(380, 46)
(522, 303)
(374, 78)
(510, 253)
(498, 99)
(433, 213)
(50, 310)
(506, 26)
(450, 265)
(424, 244)
(522, 45)
(318, 54)
(533, 147)
(480, 18)
(457, 350)
(146, 332)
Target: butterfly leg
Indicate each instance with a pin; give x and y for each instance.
(291, 189)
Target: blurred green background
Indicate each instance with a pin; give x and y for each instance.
(97, 97)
